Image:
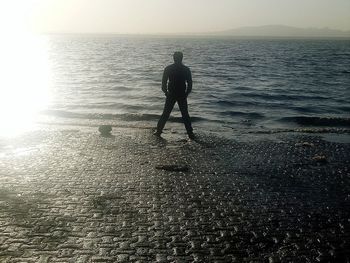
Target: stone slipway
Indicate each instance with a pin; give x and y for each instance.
(70, 195)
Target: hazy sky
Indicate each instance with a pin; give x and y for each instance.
(169, 16)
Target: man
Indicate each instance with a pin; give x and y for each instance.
(176, 85)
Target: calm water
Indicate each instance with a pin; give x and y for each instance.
(238, 84)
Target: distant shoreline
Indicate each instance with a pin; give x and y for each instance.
(195, 36)
(250, 32)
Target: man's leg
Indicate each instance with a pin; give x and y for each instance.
(168, 107)
(185, 116)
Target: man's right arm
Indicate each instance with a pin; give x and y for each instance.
(189, 82)
(165, 81)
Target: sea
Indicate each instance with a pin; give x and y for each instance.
(240, 86)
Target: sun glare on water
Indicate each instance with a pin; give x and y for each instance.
(24, 82)
(24, 67)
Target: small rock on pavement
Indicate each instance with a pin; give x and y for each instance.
(105, 129)
(320, 159)
(173, 168)
(305, 144)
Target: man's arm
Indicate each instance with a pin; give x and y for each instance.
(189, 82)
(165, 81)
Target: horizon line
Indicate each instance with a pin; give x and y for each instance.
(204, 33)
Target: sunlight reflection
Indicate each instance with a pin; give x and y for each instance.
(24, 82)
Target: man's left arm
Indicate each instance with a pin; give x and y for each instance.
(165, 81)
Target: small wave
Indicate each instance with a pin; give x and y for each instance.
(317, 121)
(281, 97)
(121, 88)
(226, 103)
(244, 103)
(303, 130)
(248, 115)
(302, 109)
(344, 108)
(123, 117)
(128, 107)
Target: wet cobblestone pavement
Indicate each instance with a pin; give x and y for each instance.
(75, 196)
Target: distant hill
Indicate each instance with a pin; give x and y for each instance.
(282, 31)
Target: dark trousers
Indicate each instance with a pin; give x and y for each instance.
(168, 107)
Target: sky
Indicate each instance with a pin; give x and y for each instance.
(168, 16)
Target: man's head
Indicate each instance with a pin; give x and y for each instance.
(178, 57)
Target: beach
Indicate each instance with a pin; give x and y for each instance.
(68, 194)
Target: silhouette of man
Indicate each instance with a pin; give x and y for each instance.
(176, 85)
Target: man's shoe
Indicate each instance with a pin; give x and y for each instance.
(191, 135)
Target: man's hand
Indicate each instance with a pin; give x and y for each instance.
(165, 90)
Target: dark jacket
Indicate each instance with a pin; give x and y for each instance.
(178, 76)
